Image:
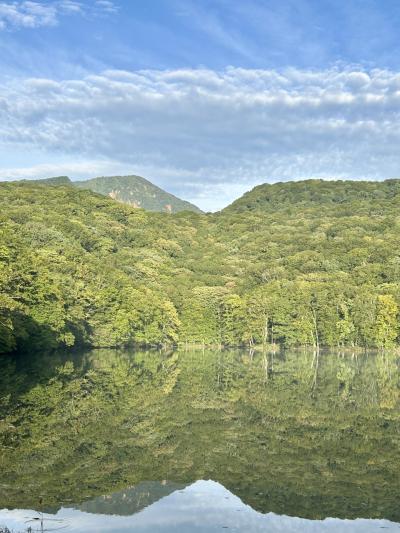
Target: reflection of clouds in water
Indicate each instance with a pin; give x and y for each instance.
(204, 507)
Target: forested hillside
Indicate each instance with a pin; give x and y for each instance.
(306, 263)
(132, 190)
(138, 192)
(310, 193)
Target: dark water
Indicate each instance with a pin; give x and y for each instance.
(200, 441)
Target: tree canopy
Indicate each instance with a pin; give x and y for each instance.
(301, 263)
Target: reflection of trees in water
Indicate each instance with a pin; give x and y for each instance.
(388, 380)
(302, 433)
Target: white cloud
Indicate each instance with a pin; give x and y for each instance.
(27, 14)
(33, 14)
(201, 132)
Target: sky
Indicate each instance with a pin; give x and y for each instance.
(205, 98)
(202, 506)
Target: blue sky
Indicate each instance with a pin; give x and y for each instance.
(171, 34)
(206, 98)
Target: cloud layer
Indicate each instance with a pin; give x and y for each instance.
(203, 133)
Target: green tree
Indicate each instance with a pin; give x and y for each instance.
(386, 328)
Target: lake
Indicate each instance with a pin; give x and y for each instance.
(200, 441)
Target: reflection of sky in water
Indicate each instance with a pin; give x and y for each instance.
(204, 507)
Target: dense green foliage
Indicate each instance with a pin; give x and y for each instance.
(308, 263)
(138, 192)
(269, 197)
(57, 180)
(296, 434)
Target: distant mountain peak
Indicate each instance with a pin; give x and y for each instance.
(133, 190)
(137, 192)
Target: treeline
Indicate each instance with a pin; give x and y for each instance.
(292, 313)
(316, 263)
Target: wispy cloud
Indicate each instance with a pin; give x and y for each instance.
(201, 132)
(107, 6)
(34, 14)
(215, 27)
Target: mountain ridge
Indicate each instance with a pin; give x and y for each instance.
(312, 191)
(138, 192)
(132, 190)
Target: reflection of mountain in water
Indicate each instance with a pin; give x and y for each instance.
(292, 433)
(131, 500)
(202, 507)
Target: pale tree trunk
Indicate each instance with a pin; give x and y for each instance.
(315, 329)
(265, 331)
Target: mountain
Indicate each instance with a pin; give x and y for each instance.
(311, 193)
(137, 192)
(132, 190)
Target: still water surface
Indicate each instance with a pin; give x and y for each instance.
(201, 441)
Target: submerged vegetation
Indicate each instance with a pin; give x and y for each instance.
(306, 263)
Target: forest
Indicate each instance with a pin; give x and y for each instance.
(310, 263)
